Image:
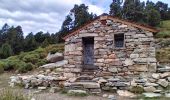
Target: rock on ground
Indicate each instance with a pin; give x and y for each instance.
(55, 65)
(55, 57)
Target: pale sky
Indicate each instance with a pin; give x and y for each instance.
(46, 15)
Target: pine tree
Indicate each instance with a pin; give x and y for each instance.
(163, 9)
(133, 10)
(30, 43)
(153, 17)
(81, 15)
(115, 8)
(6, 51)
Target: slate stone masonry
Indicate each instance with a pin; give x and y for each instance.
(137, 55)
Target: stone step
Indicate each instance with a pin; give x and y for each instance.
(84, 78)
(86, 85)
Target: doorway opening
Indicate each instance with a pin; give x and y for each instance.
(88, 53)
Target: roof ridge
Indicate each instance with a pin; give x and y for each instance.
(135, 24)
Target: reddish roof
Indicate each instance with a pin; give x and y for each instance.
(105, 17)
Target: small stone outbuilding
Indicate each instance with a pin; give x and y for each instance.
(109, 45)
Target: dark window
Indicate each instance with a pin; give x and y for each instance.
(119, 40)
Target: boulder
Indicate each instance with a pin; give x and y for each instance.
(163, 82)
(55, 65)
(55, 57)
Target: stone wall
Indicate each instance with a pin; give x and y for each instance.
(138, 54)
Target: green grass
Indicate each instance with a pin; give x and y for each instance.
(164, 30)
(165, 25)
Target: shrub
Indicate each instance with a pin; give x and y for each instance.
(11, 95)
(25, 68)
(163, 34)
(41, 62)
(33, 58)
(12, 64)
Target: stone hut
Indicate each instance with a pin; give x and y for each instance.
(110, 46)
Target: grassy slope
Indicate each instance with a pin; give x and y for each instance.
(26, 61)
(163, 54)
(164, 29)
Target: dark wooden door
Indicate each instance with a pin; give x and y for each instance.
(89, 54)
(88, 51)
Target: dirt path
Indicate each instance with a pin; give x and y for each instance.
(58, 96)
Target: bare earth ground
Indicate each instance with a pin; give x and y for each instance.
(4, 79)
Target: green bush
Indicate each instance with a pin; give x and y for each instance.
(33, 58)
(7, 94)
(41, 62)
(25, 68)
(12, 64)
(26, 61)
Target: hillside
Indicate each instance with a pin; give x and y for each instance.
(164, 29)
(27, 61)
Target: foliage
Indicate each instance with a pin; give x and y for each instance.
(12, 40)
(30, 43)
(6, 50)
(133, 10)
(27, 61)
(25, 68)
(78, 16)
(153, 17)
(164, 29)
(115, 8)
(163, 34)
(7, 94)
